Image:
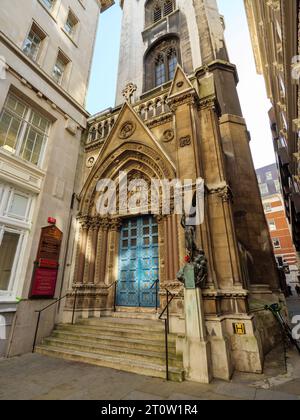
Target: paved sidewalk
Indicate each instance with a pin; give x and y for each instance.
(36, 377)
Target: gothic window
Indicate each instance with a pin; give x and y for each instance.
(172, 62)
(157, 13)
(169, 6)
(160, 71)
(161, 62)
(157, 9)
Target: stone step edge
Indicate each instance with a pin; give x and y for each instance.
(94, 323)
(129, 362)
(134, 352)
(171, 340)
(113, 329)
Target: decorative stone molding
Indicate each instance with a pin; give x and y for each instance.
(90, 162)
(224, 192)
(128, 91)
(168, 136)
(127, 130)
(185, 141)
(186, 98)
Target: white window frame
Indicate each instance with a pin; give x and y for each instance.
(269, 176)
(272, 223)
(15, 224)
(268, 207)
(11, 291)
(25, 123)
(12, 194)
(276, 239)
(264, 185)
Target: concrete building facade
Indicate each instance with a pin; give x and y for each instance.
(46, 49)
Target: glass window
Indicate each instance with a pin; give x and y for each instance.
(272, 225)
(48, 3)
(267, 207)
(71, 23)
(23, 131)
(19, 205)
(8, 251)
(58, 71)
(172, 63)
(277, 185)
(264, 189)
(269, 176)
(32, 45)
(160, 72)
(259, 179)
(276, 243)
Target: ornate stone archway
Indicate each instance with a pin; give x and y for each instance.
(97, 241)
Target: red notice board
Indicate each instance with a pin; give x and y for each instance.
(44, 282)
(45, 270)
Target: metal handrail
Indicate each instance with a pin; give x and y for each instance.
(47, 307)
(156, 283)
(115, 283)
(167, 329)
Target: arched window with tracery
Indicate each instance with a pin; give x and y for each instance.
(158, 9)
(172, 62)
(161, 62)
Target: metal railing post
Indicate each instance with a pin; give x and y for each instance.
(74, 306)
(167, 349)
(168, 311)
(156, 296)
(36, 332)
(115, 298)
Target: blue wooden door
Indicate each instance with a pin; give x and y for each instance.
(138, 262)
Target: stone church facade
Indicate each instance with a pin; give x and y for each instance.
(177, 116)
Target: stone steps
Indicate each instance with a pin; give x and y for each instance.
(140, 343)
(133, 366)
(127, 344)
(116, 331)
(127, 353)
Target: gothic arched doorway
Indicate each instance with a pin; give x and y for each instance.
(138, 262)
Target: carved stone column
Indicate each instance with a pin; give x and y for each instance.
(101, 255)
(88, 253)
(93, 250)
(162, 248)
(111, 272)
(81, 249)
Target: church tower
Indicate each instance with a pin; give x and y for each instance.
(177, 116)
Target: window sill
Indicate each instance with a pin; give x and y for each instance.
(70, 38)
(23, 162)
(47, 10)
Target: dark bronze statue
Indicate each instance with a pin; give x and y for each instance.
(196, 255)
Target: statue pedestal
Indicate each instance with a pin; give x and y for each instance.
(197, 349)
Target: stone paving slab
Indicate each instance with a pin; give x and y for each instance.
(37, 377)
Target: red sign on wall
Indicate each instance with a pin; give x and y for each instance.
(47, 262)
(44, 282)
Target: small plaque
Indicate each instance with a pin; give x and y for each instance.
(239, 328)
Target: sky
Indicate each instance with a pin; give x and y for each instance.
(251, 88)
